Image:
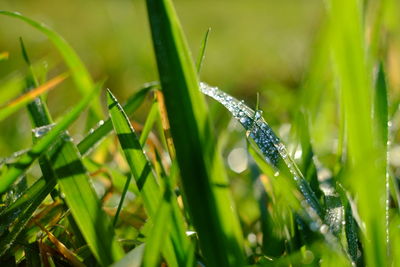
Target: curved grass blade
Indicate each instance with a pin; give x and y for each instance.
(142, 172)
(79, 72)
(25, 161)
(204, 181)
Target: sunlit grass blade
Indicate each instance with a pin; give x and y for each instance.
(79, 72)
(25, 98)
(143, 174)
(366, 171)
(203, 177)
(25, 161)
(105, 127)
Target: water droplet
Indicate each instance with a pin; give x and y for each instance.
(40, 131)
(324, 229)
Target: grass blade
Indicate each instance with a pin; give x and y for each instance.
(105, 127)
(366, 159)
(144, 176)
(204, 180)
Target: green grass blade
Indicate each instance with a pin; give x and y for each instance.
(381, 105)
(202, 54)
(105, 127)
(151, 118)
(366, 159)
(159, 233)
(79, 72)
(203, 177)
(140, 166)
(40, 147)
(142, 172)
(121, 202)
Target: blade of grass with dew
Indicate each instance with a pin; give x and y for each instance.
(18, 103)
(105, 127)
(25, 161)
(366, 169)
(146, 180)
(204, 181)
(272, 148)
(78, 70)
(295, 200)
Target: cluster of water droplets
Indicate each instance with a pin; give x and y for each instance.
(259, 130)
(272, 149)
(251, 120)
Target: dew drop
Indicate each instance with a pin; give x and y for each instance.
(40, 131)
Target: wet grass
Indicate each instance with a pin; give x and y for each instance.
(165, 191)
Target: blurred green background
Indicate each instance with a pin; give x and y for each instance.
(254, 46)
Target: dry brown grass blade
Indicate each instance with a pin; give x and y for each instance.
(62, 248)
(38, 91)
(165, 123)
